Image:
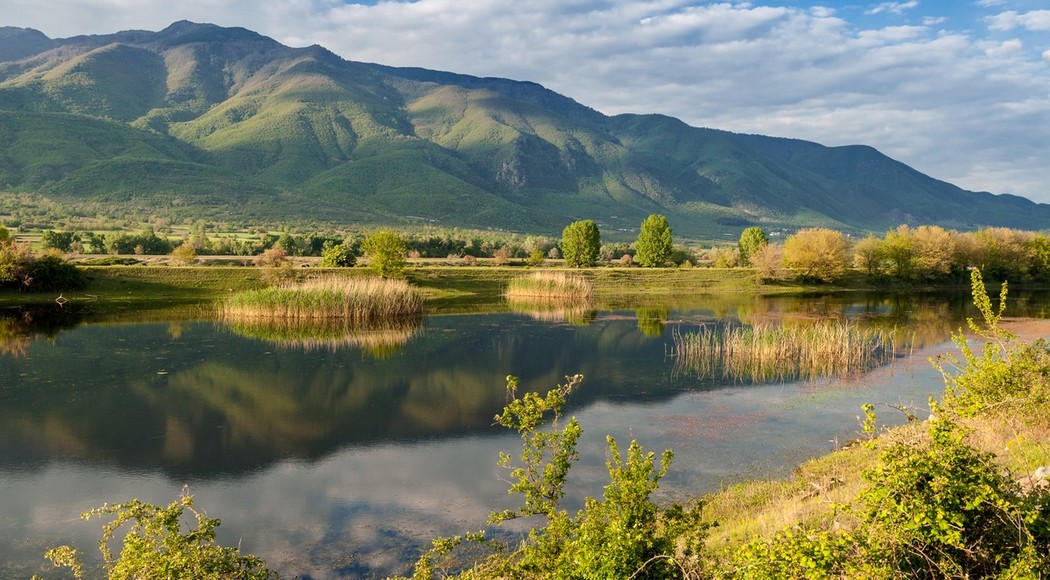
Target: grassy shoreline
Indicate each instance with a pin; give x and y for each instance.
(446, 288)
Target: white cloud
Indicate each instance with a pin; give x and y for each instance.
(1005, 48)
(892, 7)
(1035, 20)
(939, 100)
(990, 3)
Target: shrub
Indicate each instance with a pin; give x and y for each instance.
(338, 256)
(623, 535)
(386, 253)
(186, 253)
(22, 270)
(1008, 375)
(156, 546)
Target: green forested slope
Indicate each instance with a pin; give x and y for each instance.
(218, 115)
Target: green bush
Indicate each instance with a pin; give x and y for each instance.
(22, 270)
(338, 256)
(622, 535)
(156, 547)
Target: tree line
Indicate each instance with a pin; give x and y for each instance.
(914, 254)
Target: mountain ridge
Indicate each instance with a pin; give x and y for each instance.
(216, 115)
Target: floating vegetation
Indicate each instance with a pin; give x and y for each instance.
(566, 289)
(379, 340)
(769, 353)
(359, 300)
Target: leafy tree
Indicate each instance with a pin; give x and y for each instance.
(768, 262)
(15, 259)
(899, 251)
(817, 253)
(61, 241)
(156, 546)
(654, 243)
(581, 244)
(4, 234)
(868, 254)
(337, 255)
(934, 252)
(1038, 251)
(386, 252)
(186, 253)
(750, 241)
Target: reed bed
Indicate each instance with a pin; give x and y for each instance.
(360, 300)
(769, 353)
(563, 288)
(332, 334)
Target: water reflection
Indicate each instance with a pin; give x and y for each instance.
(381, 339)
(331, 461)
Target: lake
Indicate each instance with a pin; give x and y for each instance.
(343, 456)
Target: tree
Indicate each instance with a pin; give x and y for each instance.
(817, 253)
(768, 262)
(899, 250)
(186, 253)
(751, 240)
(386, 252)
(868, 254)
(934, 252)
(654, 243)
(61, 241)
(581, 243)
(337, 255)
(4, 234)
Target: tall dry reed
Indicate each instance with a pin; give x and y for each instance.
(557, 287)
(766, 353)
(361, 300)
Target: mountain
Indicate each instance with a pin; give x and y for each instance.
(200, 116)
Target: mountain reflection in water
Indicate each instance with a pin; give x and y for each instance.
(330, 455)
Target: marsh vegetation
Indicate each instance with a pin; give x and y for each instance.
(360, 300)
(768, 352)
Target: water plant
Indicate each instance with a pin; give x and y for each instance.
(157, 546)
(360, 300)
(766, 352)
(562, 288)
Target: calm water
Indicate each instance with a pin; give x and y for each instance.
(343, 457)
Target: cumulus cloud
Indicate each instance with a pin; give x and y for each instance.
(892, 7)
(948, 102)
(1035, 21)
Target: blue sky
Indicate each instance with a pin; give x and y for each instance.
(958, 89)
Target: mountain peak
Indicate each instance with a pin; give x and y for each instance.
(187, 32)
(17, 43)
(212, 115)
